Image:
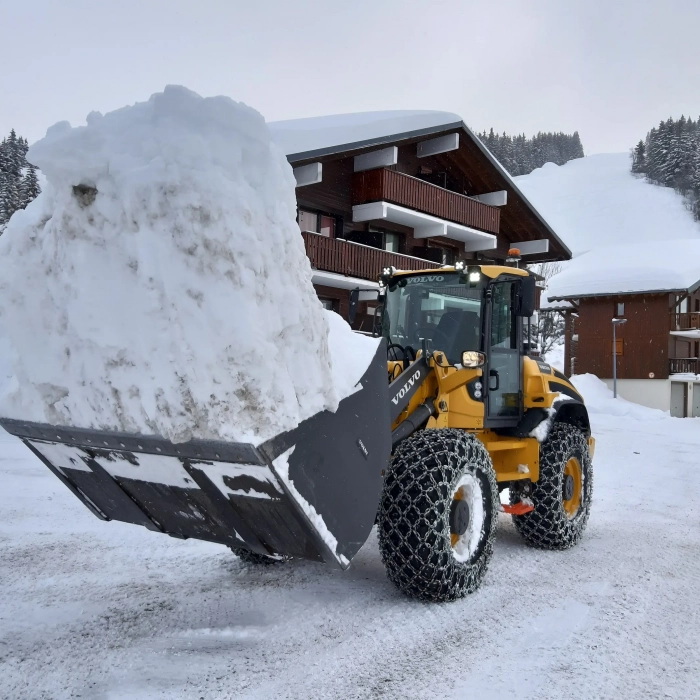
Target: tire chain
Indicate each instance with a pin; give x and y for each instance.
(414, 513)
(548, 526)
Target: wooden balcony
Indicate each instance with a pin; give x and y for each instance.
(683, 365)
(356, 259)
(384, 185)
(686, 321)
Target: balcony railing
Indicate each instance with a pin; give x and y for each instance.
(683, 365)
(356, 259)
(686, 321)
(384, 185)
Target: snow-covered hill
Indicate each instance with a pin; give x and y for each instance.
(596, 201)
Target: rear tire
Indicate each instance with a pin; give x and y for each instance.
(255, 559)
(562, 496)
(437, 515)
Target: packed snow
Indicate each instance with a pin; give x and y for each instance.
(316, 133)
(595, 202)
(625, 269)
(159, 283)
(112, 611)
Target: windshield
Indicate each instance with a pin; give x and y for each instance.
(440, 308)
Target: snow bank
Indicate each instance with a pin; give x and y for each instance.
(623, 269)
(314, 133)
(159, 283)
(599, 400)
(592, 201)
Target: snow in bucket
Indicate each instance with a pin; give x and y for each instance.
(159, 283)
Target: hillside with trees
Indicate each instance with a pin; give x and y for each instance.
(670, 156)
(520, 155)
(19, 184)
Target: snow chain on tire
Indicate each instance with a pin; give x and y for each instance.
(549, 526)
(415, 510)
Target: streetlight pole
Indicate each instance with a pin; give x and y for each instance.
(616, 322)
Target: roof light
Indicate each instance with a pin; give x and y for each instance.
(474, 276)
(459, 265)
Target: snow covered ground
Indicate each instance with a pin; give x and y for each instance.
(595, 201)
(110, 611)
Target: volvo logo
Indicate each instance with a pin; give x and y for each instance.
(406, 387)
(425, 278)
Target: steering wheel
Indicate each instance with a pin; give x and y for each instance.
(395, 347)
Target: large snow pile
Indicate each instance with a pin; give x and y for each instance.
(159, 283)
(623, 269)
(599, 400)
(596, 201)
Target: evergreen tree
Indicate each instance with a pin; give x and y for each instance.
(18, 179)
(520, 155)
(670, 156)
(639, 160)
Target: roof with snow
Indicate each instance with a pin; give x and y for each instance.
(316, 137)
(655, 266)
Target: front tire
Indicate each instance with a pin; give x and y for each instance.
(562, 495)
(438, 514)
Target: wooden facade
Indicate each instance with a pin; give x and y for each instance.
(647, 345)
(440, 185)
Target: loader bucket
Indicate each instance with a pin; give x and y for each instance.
(310, 493)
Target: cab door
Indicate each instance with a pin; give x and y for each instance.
(504, 404)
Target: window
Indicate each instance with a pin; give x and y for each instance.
(503, 327)
(328, 304)
(308, 221)
(620, 309)
(317, 223)
(392, 242)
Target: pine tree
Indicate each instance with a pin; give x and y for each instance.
(639, 160)
(29, 188)
(19, 184)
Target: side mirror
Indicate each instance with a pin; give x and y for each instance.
(354, 299)
(527, 297)
(473, 360)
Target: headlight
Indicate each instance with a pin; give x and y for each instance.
(474, 276)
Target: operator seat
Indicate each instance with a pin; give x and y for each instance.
(462, 330)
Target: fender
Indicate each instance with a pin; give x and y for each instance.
(566, 410)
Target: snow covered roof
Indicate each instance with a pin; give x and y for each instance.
(654, 266)
(595, 201)
(316, 136)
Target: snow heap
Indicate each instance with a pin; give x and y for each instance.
(599, 400)
(159, 283)
(624, 269)
(594, 201)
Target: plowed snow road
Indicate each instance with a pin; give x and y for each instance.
(106, 610)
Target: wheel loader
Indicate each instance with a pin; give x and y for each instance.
(451, 411)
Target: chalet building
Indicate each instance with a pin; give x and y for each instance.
(412, 190)
(658, 298)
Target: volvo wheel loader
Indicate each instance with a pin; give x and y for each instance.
(450, 412)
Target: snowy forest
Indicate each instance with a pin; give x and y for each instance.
(670, 156)
(18, 180)
(520, 155)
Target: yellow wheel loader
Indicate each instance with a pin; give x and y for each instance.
(422, 453)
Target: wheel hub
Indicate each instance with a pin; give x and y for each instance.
(460, 517)
(568, 487)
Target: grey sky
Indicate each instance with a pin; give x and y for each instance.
(610, 69)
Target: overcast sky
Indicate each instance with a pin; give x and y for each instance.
(609, 69)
